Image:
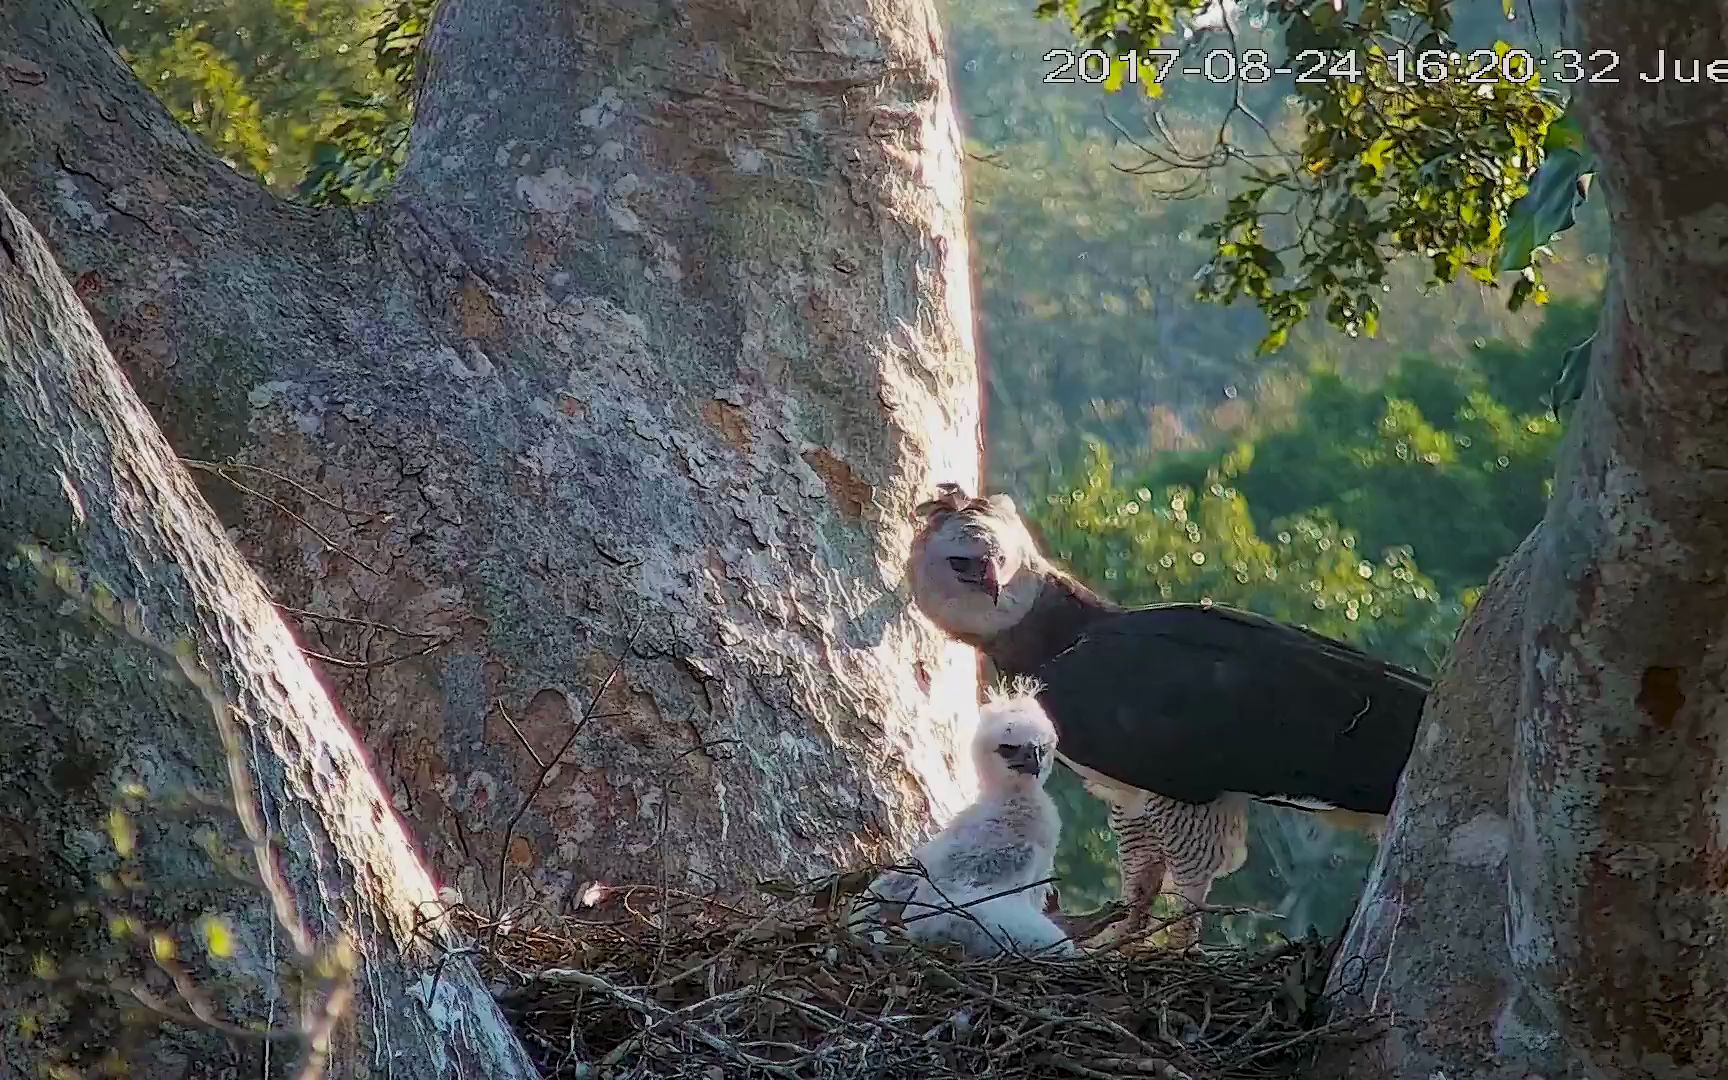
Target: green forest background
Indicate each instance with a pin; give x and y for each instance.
(1363, 486)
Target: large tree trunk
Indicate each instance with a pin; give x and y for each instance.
(1601, 947)
(92, 503)
(1427, 946)
(666, 330)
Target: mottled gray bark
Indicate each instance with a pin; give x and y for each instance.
(1425, 955)
(667, 326)
(1620, 781)
(92, 723)
(1601, 948)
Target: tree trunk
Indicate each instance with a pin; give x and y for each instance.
(105, 954)
(664, 332)
(1595, 678)
(1427, 946)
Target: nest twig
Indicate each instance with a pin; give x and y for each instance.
(650, 983)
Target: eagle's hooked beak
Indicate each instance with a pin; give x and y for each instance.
(979, 572)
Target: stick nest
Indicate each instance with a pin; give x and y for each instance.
(653, 983)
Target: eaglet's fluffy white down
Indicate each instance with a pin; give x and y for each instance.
(1005, 840)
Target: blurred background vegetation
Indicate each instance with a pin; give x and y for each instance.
(1361, 484)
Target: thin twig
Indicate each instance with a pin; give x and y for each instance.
(521, 738)
(155, 1005)
(658, 1014)
(546, 769)
(336, 661)
(325, 616)
(217, 467)
(219, 470)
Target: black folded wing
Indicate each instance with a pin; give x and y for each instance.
(1191, 701)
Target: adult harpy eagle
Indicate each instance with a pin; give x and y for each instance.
(1174, 714)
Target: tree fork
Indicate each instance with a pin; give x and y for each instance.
(667, 322)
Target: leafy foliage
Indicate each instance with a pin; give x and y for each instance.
(261, 81)
(1088, 322)
(1410, 144)
(1556, 192)
(1125, 31)
(283, 89)
(1432, 459)
(359, 156)
(1183, 543)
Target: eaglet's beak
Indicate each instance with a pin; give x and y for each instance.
(992, 584)
(1027, 759)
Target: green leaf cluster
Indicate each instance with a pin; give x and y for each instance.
(1088, 322)
(361, 153)
(1455, 464)
(1390, 161)
(1557, 191)
(1167, 542)
(312, 97)
(260, 81)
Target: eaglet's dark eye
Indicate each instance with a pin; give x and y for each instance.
(962, 565)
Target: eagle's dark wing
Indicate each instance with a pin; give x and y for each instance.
(1191, 701)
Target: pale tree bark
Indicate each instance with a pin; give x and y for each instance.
(666, 328)
(1601, 947)
(1620, 782)
(1426, 949)
(93, 724)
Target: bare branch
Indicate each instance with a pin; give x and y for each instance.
(581, 724)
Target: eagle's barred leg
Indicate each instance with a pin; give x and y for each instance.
(1204, 841)
(1142, 868)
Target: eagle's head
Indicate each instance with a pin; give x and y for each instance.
(974, 568)
(1014, 748)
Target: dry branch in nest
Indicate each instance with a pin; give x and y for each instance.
(653, 983)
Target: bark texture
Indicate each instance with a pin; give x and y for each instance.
(667, 327)
(86, 712)
(1577, 755)
(1619, 883)
(1426, 950)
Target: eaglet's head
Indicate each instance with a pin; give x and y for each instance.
(1014, 748)
(975, 569)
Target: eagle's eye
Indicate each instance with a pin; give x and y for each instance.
(965, 567)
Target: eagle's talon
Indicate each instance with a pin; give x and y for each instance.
(1094, 929)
